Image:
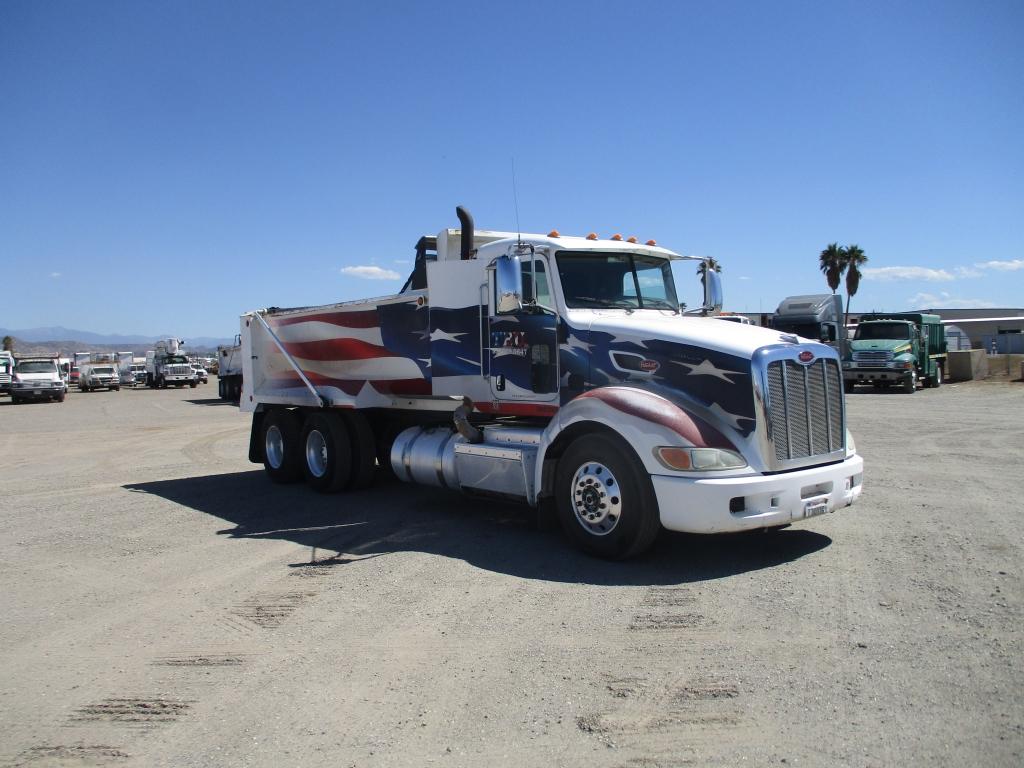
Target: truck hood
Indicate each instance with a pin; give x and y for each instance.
(705, 332)
(702, 361)
(37, 377)
(896, 346)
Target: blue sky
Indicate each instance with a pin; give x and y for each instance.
(166, 166)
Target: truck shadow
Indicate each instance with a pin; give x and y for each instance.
(393, 517)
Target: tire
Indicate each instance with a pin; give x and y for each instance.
(59, 398)
(363, 446)
(220, 389)
(15, 400)
(936, 381)
(596, 470)
(116, 389)
(326, 454)
(282, 449)
(192, 385)
(910, 383)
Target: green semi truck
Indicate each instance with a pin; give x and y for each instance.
(904, 348)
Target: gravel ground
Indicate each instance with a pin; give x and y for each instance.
(165, 605)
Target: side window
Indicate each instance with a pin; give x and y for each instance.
(543, 294)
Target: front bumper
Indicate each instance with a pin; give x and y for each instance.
(866, 375)
(703, 505)
(37, 393)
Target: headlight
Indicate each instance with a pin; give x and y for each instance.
(847, 364)
(698, 459)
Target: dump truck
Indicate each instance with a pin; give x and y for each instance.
(229, 371)
(904, 348)
(557, 372)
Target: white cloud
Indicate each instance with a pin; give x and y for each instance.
(55, 275)
(401, 261)
(945, 301)
(371, 273)
(1002, 266)
(967, 272)
(744, 277)
(891, 274)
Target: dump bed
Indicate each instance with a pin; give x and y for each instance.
(358, 354)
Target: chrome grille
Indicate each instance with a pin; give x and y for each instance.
(177, 370)
(869, 358)
(805, 408)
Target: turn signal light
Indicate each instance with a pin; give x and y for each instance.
(617, 237)
(698, 459)
(592, 236)
(553, 233)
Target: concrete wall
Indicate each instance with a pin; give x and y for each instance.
(967, 365)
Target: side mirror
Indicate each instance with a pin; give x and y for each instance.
(712, 292)
(508, 284)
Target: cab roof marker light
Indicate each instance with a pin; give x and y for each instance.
(592, 236)
(652, 242)
(631, 239)
(616, 237)
(554, 233)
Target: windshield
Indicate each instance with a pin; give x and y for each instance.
(176, 359)
(35, 366)
(103, 370)
(807, 330)
(883, 331)
(621, 280)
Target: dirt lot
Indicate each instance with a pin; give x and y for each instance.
(165, 605)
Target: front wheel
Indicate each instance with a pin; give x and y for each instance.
(192, 384)
(910, 383)
(605, 501)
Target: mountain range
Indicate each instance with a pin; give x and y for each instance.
(61, 334)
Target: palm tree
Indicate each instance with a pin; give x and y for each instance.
(832, 262)
(853, 258)
(8, 344)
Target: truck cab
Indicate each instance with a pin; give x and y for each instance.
(906, 348)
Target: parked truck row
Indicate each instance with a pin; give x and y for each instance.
(559, 372)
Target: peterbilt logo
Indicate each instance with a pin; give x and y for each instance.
(806, 356)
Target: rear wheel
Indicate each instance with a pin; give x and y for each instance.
(605, 501)
(327, 454)
(281, 447)
(937, 378)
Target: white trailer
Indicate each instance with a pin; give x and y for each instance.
(559, 372)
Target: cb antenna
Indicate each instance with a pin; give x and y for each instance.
(515, 202)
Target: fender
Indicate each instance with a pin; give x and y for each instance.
(642, 418)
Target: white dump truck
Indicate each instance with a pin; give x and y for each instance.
(559, 372)
(229, 371)
(168, 366)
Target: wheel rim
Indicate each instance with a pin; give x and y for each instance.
(596, 499)
(316, 453)
(274, 448)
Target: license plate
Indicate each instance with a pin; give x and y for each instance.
(815, 508)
